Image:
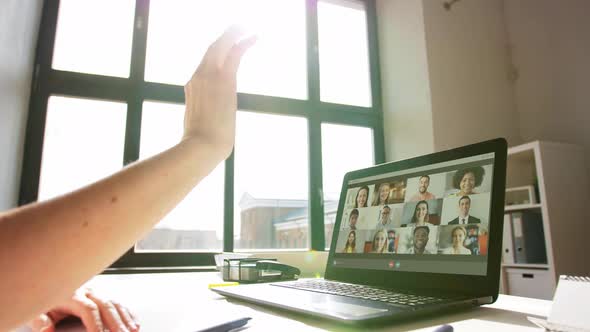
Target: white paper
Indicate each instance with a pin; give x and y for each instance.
(570, 303)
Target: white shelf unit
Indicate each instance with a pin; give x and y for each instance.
(563, 198)
(521, 207)
(527, 266)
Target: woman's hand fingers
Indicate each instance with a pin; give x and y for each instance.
(79, 306)
(42, 323)
(127, 317)
(232, 61)
(89, 313)
(217, 53)
(210, 95)
(109, 314)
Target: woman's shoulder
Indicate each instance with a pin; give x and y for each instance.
(447, 251)
(465, 251)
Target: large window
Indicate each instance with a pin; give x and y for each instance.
(270, 182)
(107, 94)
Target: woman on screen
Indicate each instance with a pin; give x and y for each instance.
(383, 193)
(350, 246)
(466, 180)
(458, 235)
(362, 196)
(420, 216)
(379, 242)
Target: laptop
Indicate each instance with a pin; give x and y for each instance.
(411, 237)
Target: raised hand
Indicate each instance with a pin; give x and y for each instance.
(211, 97)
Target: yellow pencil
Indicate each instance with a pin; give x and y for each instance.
(225, 284)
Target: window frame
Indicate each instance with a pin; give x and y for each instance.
(134, 91)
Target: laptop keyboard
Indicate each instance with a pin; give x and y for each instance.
(361, 292)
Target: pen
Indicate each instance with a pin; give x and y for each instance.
(225, 327)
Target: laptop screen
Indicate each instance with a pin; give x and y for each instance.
(432, 218)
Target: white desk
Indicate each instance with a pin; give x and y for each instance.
(182, 302)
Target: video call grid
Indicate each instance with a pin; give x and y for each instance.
(388, 210)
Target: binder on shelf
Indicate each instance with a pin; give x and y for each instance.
(519, 248)
(532, 223)
(507, 241)
(529, 238)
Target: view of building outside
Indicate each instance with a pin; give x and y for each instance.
(264, 224)
(279, 224)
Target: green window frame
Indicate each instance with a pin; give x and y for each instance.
(134, 90)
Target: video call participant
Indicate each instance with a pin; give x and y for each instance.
(353, 218)
(464, 217)
(361, 197)
(385, 218)
(379, 242)
(420, 216)
(421, 234)
(391, 240)
(423, 194)
(465, 180)
(382, 196)
(458, 235)
(350, 246)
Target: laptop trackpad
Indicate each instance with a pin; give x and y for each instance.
(346, 309)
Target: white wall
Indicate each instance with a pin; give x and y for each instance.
(551, 53)
(445, 75)
(19, 24)
(407, 109)
(469, 66)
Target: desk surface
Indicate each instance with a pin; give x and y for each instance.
(182, 302)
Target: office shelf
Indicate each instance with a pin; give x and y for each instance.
(558, 172)
(526, 266)
(521, 207)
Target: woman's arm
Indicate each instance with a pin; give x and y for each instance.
(49, 249)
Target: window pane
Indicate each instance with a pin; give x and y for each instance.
(344, 55)
(271, 182)
(344, 148)
(180, 32)
(94, 36)
(196, 224)
(83, 143)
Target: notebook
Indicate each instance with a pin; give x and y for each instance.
(569, 311)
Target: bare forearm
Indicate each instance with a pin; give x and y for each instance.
(47, 250)
(57, 245)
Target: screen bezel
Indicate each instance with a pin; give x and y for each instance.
(473, 285)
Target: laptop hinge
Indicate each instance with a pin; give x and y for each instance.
(483, 300)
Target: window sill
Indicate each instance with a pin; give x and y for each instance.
(163, 269)
(311, 263)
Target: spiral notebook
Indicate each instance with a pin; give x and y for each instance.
(570, 306)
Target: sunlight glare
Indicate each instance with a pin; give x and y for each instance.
(180, 32)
